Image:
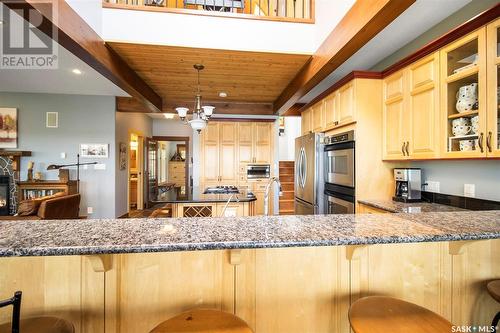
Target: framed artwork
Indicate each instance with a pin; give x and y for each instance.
(94, 150)
(181, 150)
(123, 156)
(281, 121)
(8, 128)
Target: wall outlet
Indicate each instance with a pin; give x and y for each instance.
(63, 155)
(469, 190)
(90, 210)
(432, 186)
(100, 166)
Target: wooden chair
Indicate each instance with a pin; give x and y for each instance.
(32, 325)
(203, 321)
(494, 290)
(379, 314)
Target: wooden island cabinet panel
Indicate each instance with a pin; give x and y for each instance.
(292, 290)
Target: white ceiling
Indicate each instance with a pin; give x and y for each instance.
(420, 17)
(60, 80)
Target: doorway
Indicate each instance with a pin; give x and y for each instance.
(136, 172)
(167, 167)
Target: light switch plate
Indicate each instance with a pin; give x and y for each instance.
(90, 210)
(433, 186)
(469, 190)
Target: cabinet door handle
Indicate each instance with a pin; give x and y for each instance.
(480, 142)
(488, 141)
(407, 145)
(403, 149)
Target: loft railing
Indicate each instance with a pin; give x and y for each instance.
(280, 10)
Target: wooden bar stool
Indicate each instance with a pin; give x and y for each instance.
(203, 321)
(494, 290)
(379, 314)
(34, 324)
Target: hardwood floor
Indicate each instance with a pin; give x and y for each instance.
(137, 214)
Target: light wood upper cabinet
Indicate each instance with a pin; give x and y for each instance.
(330, 112)
(219, 150)
(423, 119)
(411, 111)
(462, 64)
(306, 125)
(210, 153)
(393, 117)
(228, 169)
(493, 84)
(317, 117)
(245, 142)
(263, 143)
(347, 106)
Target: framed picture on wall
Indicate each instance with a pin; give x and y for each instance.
(123, 156)
(94, 150)
(8, 128)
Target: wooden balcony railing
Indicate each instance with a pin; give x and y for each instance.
(277, 10)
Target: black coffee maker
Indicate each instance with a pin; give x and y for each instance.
(408, 185)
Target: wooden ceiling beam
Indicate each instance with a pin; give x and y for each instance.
(363, 21)
(294, 111)
(125, 104)
(75, 35)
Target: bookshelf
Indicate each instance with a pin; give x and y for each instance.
(35, 189)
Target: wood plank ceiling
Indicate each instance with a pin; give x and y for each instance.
(248, 78)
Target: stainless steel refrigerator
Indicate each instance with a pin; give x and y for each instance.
(309, 175)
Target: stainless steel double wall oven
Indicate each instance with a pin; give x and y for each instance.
(339, 153)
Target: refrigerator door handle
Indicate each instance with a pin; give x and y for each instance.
(304, 177)
(299, 168)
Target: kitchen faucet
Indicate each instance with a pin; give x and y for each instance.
(266, 195)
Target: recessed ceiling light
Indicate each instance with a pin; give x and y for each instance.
(77, 71)
(223, 94)
(1, 22)
(169, 115)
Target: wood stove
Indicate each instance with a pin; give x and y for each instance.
(4, 195)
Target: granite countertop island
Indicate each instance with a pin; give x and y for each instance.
(409, 207)
(107, 236)
(196, 195)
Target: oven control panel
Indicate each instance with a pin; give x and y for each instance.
(344, 137)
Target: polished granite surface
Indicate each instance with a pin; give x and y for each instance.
(80, 237)
(196, 195)
(410, 207)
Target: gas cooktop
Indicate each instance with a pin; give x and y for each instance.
(226, 189)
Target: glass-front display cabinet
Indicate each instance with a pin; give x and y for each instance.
(463, 96)
(493, 93)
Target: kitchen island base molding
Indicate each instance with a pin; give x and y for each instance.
(305, 289)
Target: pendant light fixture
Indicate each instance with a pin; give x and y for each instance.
(201, 114)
